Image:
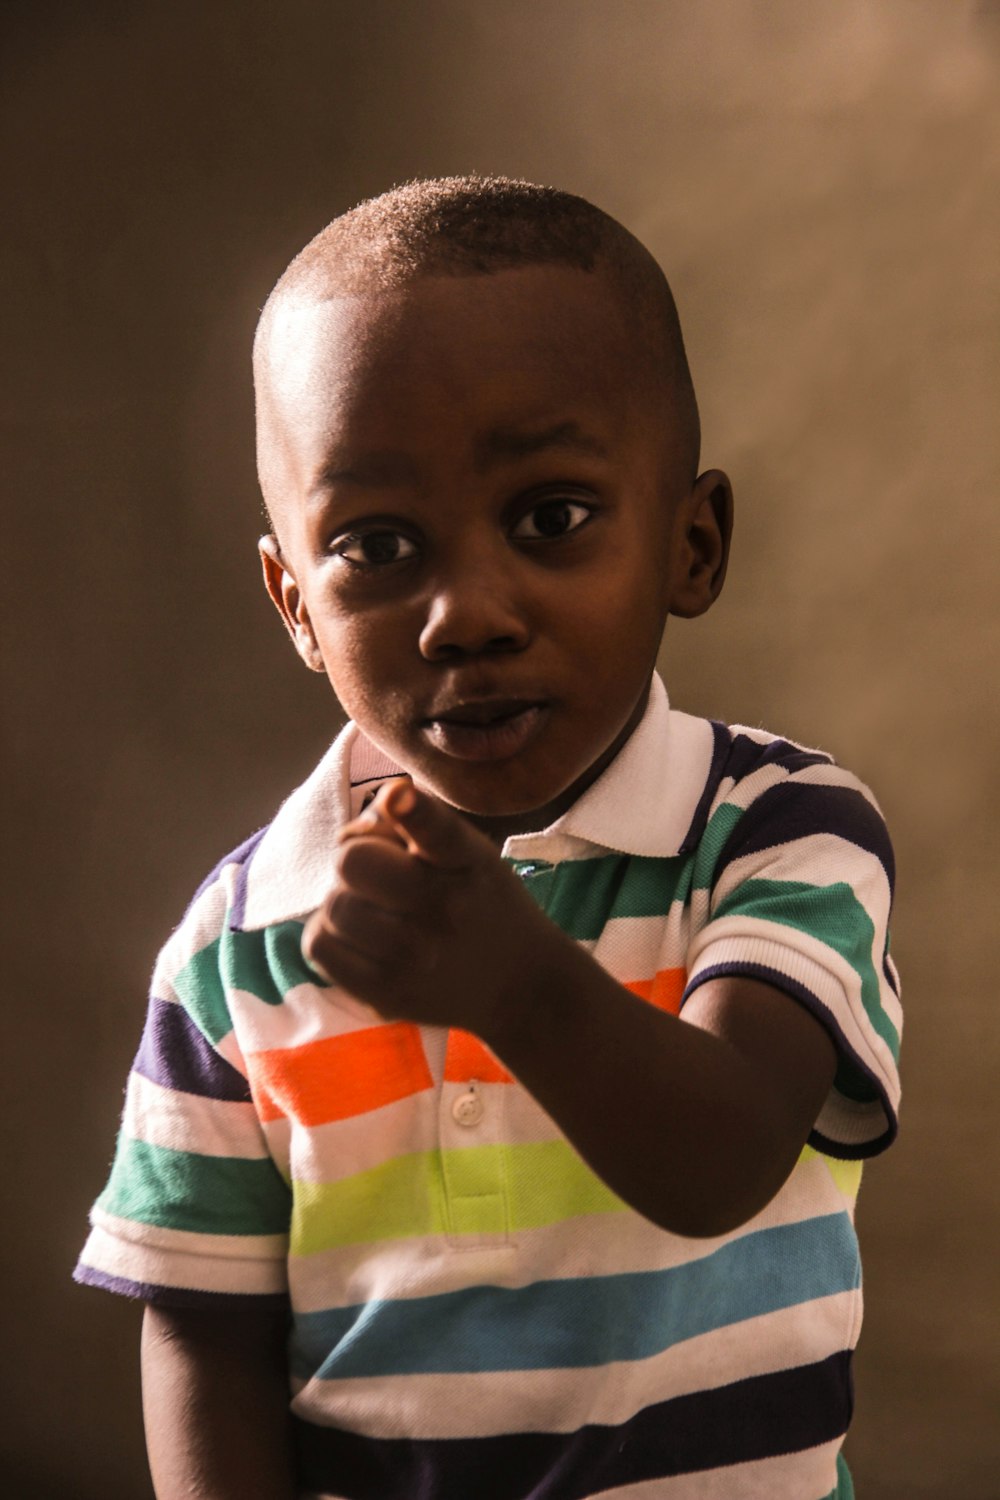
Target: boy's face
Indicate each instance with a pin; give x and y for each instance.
(484, 519)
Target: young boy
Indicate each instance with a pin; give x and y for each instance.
(505, 1099)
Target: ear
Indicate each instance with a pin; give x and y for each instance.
(287, 600)
(704, 523)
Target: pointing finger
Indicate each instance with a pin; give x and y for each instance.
(431, 829)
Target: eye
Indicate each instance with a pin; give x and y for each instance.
(374, 549)
(552, 518)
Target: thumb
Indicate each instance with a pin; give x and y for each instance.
(430, 828)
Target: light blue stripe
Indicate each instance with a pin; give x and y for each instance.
(591, 1320)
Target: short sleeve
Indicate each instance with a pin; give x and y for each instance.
(195, 1209)
(800, 896)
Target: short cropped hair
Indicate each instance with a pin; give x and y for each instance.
(469, 226)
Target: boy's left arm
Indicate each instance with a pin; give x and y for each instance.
(694, 1122)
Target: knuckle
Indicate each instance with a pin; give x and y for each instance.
(338, 907)
(345, 862)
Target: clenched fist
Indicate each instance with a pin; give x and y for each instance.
(426, 923)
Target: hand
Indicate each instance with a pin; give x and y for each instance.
(425, 922)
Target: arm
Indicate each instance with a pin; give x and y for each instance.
(215, 1403)
(695, 1122)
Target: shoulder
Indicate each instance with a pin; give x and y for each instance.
(264, 870)
(277, 876)
(764, 790)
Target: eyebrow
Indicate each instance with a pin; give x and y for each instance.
(504, 443)
(384, 466)
(375, 470)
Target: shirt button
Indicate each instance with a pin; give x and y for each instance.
(468, 1109)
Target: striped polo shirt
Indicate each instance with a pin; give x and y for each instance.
(474, 1314)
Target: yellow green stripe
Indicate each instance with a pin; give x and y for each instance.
(405, 1198)
(846, 1174)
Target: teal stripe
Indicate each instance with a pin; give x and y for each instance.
(267, 964)
(204, 1194)
(844, 1488)
(831, 913)
(712, 842)
(199, 989)
(590, 1320)
(582, 895)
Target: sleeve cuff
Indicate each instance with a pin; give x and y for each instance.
(847, 1127)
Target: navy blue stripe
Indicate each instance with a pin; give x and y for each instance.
(737, 756)
(239, 906)
(854, 1079)
(797, 810)
(721, 741)
(174, 1053)
(747, 755)
(787, 1412)
(173, 1296)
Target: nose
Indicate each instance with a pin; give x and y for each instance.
(474, 611)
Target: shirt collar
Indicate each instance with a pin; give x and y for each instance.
(644, 803)
(646, 800)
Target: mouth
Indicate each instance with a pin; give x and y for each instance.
(485, 729)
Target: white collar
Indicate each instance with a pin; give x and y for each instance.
(644, 803)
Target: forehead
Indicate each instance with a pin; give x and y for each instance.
(465, 354)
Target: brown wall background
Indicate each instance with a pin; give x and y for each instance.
(822, 183)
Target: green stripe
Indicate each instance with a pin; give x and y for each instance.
(204, 1194)
(405, 1198)
(199, 989)
(266, 964)
(830, 913)
(582, 895)
(712, 842)
(844, 1488)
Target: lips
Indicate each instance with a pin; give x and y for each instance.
(486, 728)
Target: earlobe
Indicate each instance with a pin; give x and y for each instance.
(702, 551)
(287, 599)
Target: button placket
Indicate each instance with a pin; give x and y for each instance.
(473, 1163)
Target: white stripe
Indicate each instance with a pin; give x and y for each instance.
(631, 948)
(187, 1122)
(308, 1013)
(832, 775)
(744, 792)
(343, 1148)
(748, 789)
(486, 1405)
(213, 1263)
(202, 924)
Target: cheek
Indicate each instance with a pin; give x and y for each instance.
(365, 663)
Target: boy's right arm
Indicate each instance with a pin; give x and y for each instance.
(215, 1402)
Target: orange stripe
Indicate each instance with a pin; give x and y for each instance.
(467, 1057)
(339, 1076)
(663, 990)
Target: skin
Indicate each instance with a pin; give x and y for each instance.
(215, 1402)
(485, 516)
